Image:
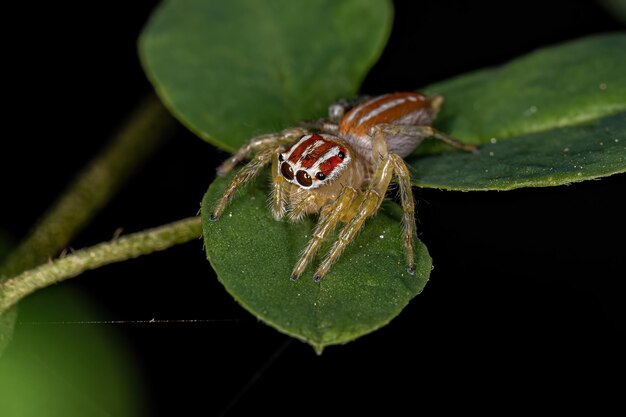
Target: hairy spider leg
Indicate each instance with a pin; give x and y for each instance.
(329, 217)
(258, 143)
(321, 125)
(372, 199)
(368, 203)
(426, 132)
(403, 178)
(245, 174)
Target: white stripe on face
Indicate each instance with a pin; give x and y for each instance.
(308, 151)
(336, 170)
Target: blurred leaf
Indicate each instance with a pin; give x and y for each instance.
(57, 367)
(253, 256)
(230, 70)
(617, 8)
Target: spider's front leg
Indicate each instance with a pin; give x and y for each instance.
(387, 164)
(368, 203)
(268, 146)
(245, 174)
(258, 143)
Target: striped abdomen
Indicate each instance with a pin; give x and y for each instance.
(410, 108)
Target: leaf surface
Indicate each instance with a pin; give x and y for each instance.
(548, 118)
(230, 70)
(253, 256)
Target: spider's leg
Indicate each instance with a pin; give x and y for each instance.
(427, 132)
(408, 206)
(328, 219)
(258, 143)
(245, 174)
(372, 199)
(321, 125)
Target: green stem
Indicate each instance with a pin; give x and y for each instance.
(138, 138)
(127, 247)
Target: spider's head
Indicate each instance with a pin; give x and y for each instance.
(314, 160)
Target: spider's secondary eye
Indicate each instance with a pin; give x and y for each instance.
(286, 170)
(304, 179)
(341, 155)
(280, 157)
(320, 176)
(336, 112)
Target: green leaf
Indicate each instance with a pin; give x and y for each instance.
(552, 114)
(230, 70)
(558, 86)
(253, 256)
(554, 157)
(58, 367)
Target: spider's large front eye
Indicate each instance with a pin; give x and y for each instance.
(286, 170)
(304, 179)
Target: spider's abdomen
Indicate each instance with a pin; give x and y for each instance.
(408, 108)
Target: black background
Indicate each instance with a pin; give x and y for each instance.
(526, 299)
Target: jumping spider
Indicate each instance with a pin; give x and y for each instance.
(341, 168)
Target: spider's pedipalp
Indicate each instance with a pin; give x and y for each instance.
(279, 186)
(329, 217)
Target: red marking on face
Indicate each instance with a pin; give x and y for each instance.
(297, 153)
(329, 165)
(311, 158)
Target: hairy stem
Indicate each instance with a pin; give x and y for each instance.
(145, 129)
(127, 247)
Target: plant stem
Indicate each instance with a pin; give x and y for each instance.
(137, 139)
(127, 247)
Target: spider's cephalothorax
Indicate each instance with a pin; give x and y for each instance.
(341, 168)
(314, 160)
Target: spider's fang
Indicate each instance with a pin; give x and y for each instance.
(294, 277)
(317, 278)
